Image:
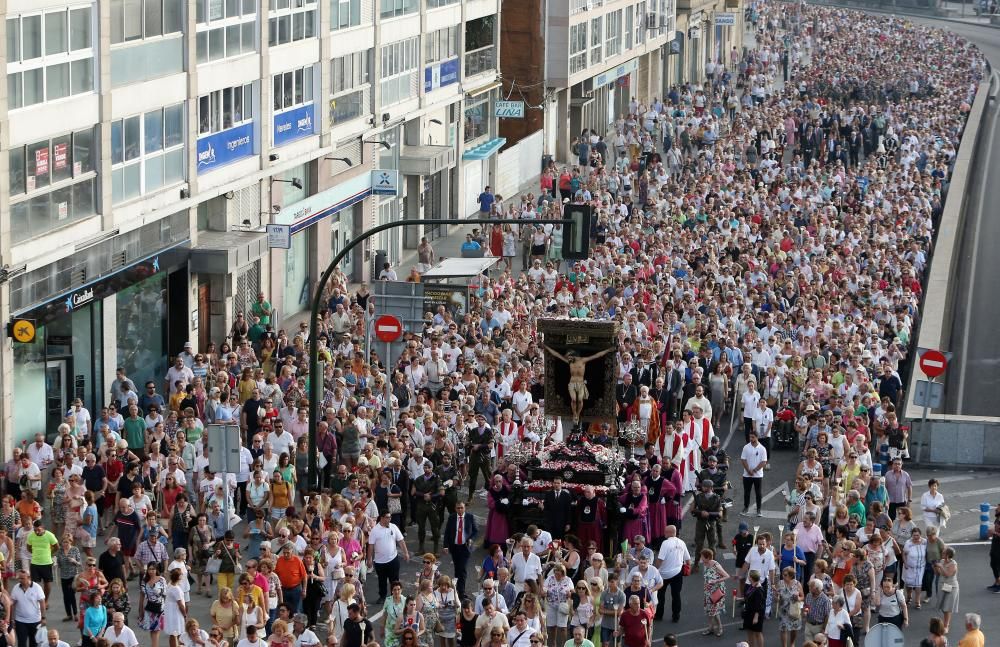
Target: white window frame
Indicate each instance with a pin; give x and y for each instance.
(640, 23)
(441, 45)
(179, 4)
(613, 33)
(397, 8)
(351, 75)
(300, 80)
(578, 54)
(437, 4)
(209, 27)
(353, 10)
(483, 102)
(216, 109)
(141, 162)
(46, 64)
(629, 27)
(301, 13)
(399, 65)
(596, 39)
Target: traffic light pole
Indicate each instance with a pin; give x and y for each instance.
(315, 379)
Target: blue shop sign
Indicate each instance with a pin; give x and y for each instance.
(293, 124)
(441, 75)
(225, 147)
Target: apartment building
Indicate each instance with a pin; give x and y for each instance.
(148, 143)
(578, 63)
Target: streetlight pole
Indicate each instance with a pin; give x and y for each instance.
(315, 379)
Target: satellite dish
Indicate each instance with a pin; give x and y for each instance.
(884, 635)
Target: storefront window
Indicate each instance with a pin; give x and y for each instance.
(140, 313)
(297, 274)
(29, 387)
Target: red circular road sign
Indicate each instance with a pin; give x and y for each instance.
(933, 363)
(388, 328)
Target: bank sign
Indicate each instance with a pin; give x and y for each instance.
(293, 124)
(225, 147)
(441, 75)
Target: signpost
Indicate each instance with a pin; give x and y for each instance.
(388, 329)
(279, 236)
(933, 363)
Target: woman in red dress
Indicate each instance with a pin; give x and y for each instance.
(496, 241)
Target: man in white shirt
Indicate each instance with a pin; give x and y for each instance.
(282, 441)
(540, 540)
(754, 460)
(252, 639)
(304, 636)
(525, 565)
(670, 561)
(763, 422)
(29, 603)
(651, 578)
(385, 542)
(520, 634)
(178, 372)
(490, 593)
(40, 452)
(118, 632)
(761, 559)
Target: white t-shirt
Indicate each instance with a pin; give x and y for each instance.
(126, 637)
(763, 564)
(750, 399)
(673, 553)
(283, 444)
(27, 603)
(525, 568)
(521, 402)
(384, 540)
(835, 621)
(932, 502)
(755, 457)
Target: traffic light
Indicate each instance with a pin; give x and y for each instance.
(576, 238)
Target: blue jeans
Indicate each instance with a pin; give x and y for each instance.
(293, 598)
(607, 635)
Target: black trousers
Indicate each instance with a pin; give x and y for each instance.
(460, 557)
(893, 507)
(387, 572)
(25, 632)
(69, 595)
(755, 483)
(674, 583)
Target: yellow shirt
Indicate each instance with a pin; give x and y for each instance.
(974, 638)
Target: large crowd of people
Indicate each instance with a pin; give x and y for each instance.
(761, 240)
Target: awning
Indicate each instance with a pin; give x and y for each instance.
(451, 268)
(223, 252)
(484, 150)
(426, 160)
(475, 92)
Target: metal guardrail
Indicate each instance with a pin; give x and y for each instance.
(480, 60)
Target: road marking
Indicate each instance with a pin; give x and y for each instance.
(698, 631)
(969, 543)
(972, 274)
(956, 478)
(963, 495)
(778, 490)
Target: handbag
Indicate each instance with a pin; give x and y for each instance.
(564, 608)
(213, 565)
(795, 610)
(715, 596)
(686, 569)
(156, 608)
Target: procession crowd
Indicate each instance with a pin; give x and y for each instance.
(761, 245)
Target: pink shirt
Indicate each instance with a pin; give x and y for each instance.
(808, 539)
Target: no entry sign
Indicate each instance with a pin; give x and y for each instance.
(933, 363)
(388, 328)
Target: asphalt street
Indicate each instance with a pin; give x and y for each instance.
(974, 373)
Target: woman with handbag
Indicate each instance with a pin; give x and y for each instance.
(227, 614)
(790, 598)
(854, 603)
(152, 594)
(226, 562)
(947, 571)
(202, 543)
(557, 591)
(715, 592)
(427, 604)
(914, 563)
(892, 605)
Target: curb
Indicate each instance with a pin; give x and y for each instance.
(908, 14)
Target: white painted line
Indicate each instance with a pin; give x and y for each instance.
(698, 631)
(972, 274)
(387, 328)
(962, 495)
(778, 490)
(969, 543)
(955, 479)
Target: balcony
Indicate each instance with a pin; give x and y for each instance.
(481, 60)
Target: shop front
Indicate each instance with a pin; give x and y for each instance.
(120, 319)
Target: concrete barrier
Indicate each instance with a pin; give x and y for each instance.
(939, 300)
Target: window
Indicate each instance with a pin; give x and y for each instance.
(477, 123)
(629, 26)
(640, 18)
(441, 45)
(613, 37)
(52, 183)
(133, 20)
(49, 56)
(577, 48)
(596, 38)
(350, 87)
(393, 8)
(293, 89)
(344, 14)
(398, 71)
(147, 152)
(225, 109)
(291, 20)
(225, 28)
(434, 4)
